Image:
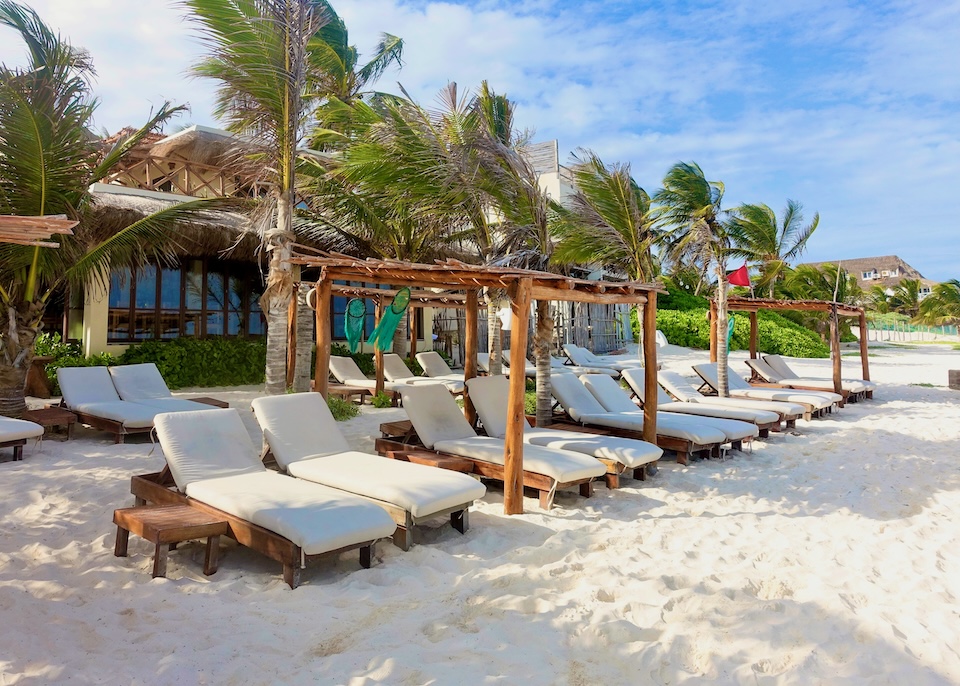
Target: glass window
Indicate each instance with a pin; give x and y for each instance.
(146, 287)
(120, 288)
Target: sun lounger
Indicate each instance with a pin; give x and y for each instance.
(215, 467)
(557, 366)
(764, 419)
(814, 403)
(14, 433)
(398, 372)
(764, 375)
(686, 393)
(306, 443)
(780, 366)
(143, 383)
(441, 426)
(584, 409)
(346, 371)
(435, 367)
(614, 399)
(489, 396)
(584, 358)
(89, 393)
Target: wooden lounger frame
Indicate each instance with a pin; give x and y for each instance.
(707, 389)
(159, 488)
(545, 485)
(17, 446)
(757, 380)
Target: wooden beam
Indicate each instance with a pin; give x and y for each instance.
(470, 349)
(753, 335)
(321, 372)
(835, 350)
(713, 331)
(585, 296)
(650, 371)
(516, 421)
(377, 353)
(863, 347)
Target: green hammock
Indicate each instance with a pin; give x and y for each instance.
(353, 322)
(382, 336)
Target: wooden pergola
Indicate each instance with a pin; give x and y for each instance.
(834, 309)
(35, 231)
(452, 283)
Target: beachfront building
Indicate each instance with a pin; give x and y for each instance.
(886, 271)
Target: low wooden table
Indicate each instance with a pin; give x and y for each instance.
(210, 401)
(347, 392)
(165, 526)
(53, 416)
(400, 429)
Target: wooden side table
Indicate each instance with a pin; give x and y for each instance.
(347, 392)
(431, 459)
(210, 401)
(165, 526)
(53, 416)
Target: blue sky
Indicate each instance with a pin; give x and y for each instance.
(851, 108)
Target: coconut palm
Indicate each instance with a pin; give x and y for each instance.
(828, 283)
(942, 306)
(877, 299)
(768, 244)
(275, 65)
(906, 297)
(691, 206)
(48, 160)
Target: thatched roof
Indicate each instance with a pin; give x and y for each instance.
(200, 144)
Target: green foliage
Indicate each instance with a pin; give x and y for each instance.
(67, 355)
(52, 345)
(530, 402)
(382, 400)
(363, 360)
(681, 300)
(341, 409)
(202, 362)
(413, 366)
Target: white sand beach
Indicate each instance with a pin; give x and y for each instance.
(827, 557)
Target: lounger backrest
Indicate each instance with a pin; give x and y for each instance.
(608, 393)
(576, 354)
(778, 365)
(489, 395)
(483, 361)
(86, 385)
(434, 414)
(208, 444)
(298, 426)
(395, 369)
(661, 339)
(677, 386)
(433, 364)
(345, 368)
(708, 372)
(636, 378)
(574, 397)
(139, 382)
(762, 370)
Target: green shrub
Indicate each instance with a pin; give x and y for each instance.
(202, 362)
(681, 300)
(530, 402)
(66, 355)
(341, 409)
(413, 366)
(363, 360)
(382, 400)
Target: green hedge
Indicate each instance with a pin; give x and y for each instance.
(775, 334)
(202, 362)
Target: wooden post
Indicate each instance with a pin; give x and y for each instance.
(713, 331)
(835, 348)
(753, 335)
(513, 452)
(650, 369)
(292, 336)
(322, 370)
(470, 343)
(377, 353)
(863, 347)
(412, 314)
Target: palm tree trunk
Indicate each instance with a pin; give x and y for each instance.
(276, 297)
(17, 340)
(542, 341)
(305, 341)
(494, 341)
(721, 298)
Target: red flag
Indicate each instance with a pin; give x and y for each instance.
(740, 277)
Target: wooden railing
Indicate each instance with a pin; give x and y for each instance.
(182, 177)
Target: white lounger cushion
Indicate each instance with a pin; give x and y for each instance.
(86, 385)
(305, 440)
(770, 375)
(173, 405)
(346, 371)
(740, 388)
(635, 378)
(435, 414)
(489, 395)
(436, 367)
(314, 517)
(560, 465)
(418, 489)
(18, 429)
(397, 371)
(130, 415)
(780, 366)
(139, 382)
(685, 391)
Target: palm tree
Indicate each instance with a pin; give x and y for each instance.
(48, 160)
(770, 245)
(691, 206)
(828, 283)
(275, 66)
(906, 297)
(942, 306)
(877, 299)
